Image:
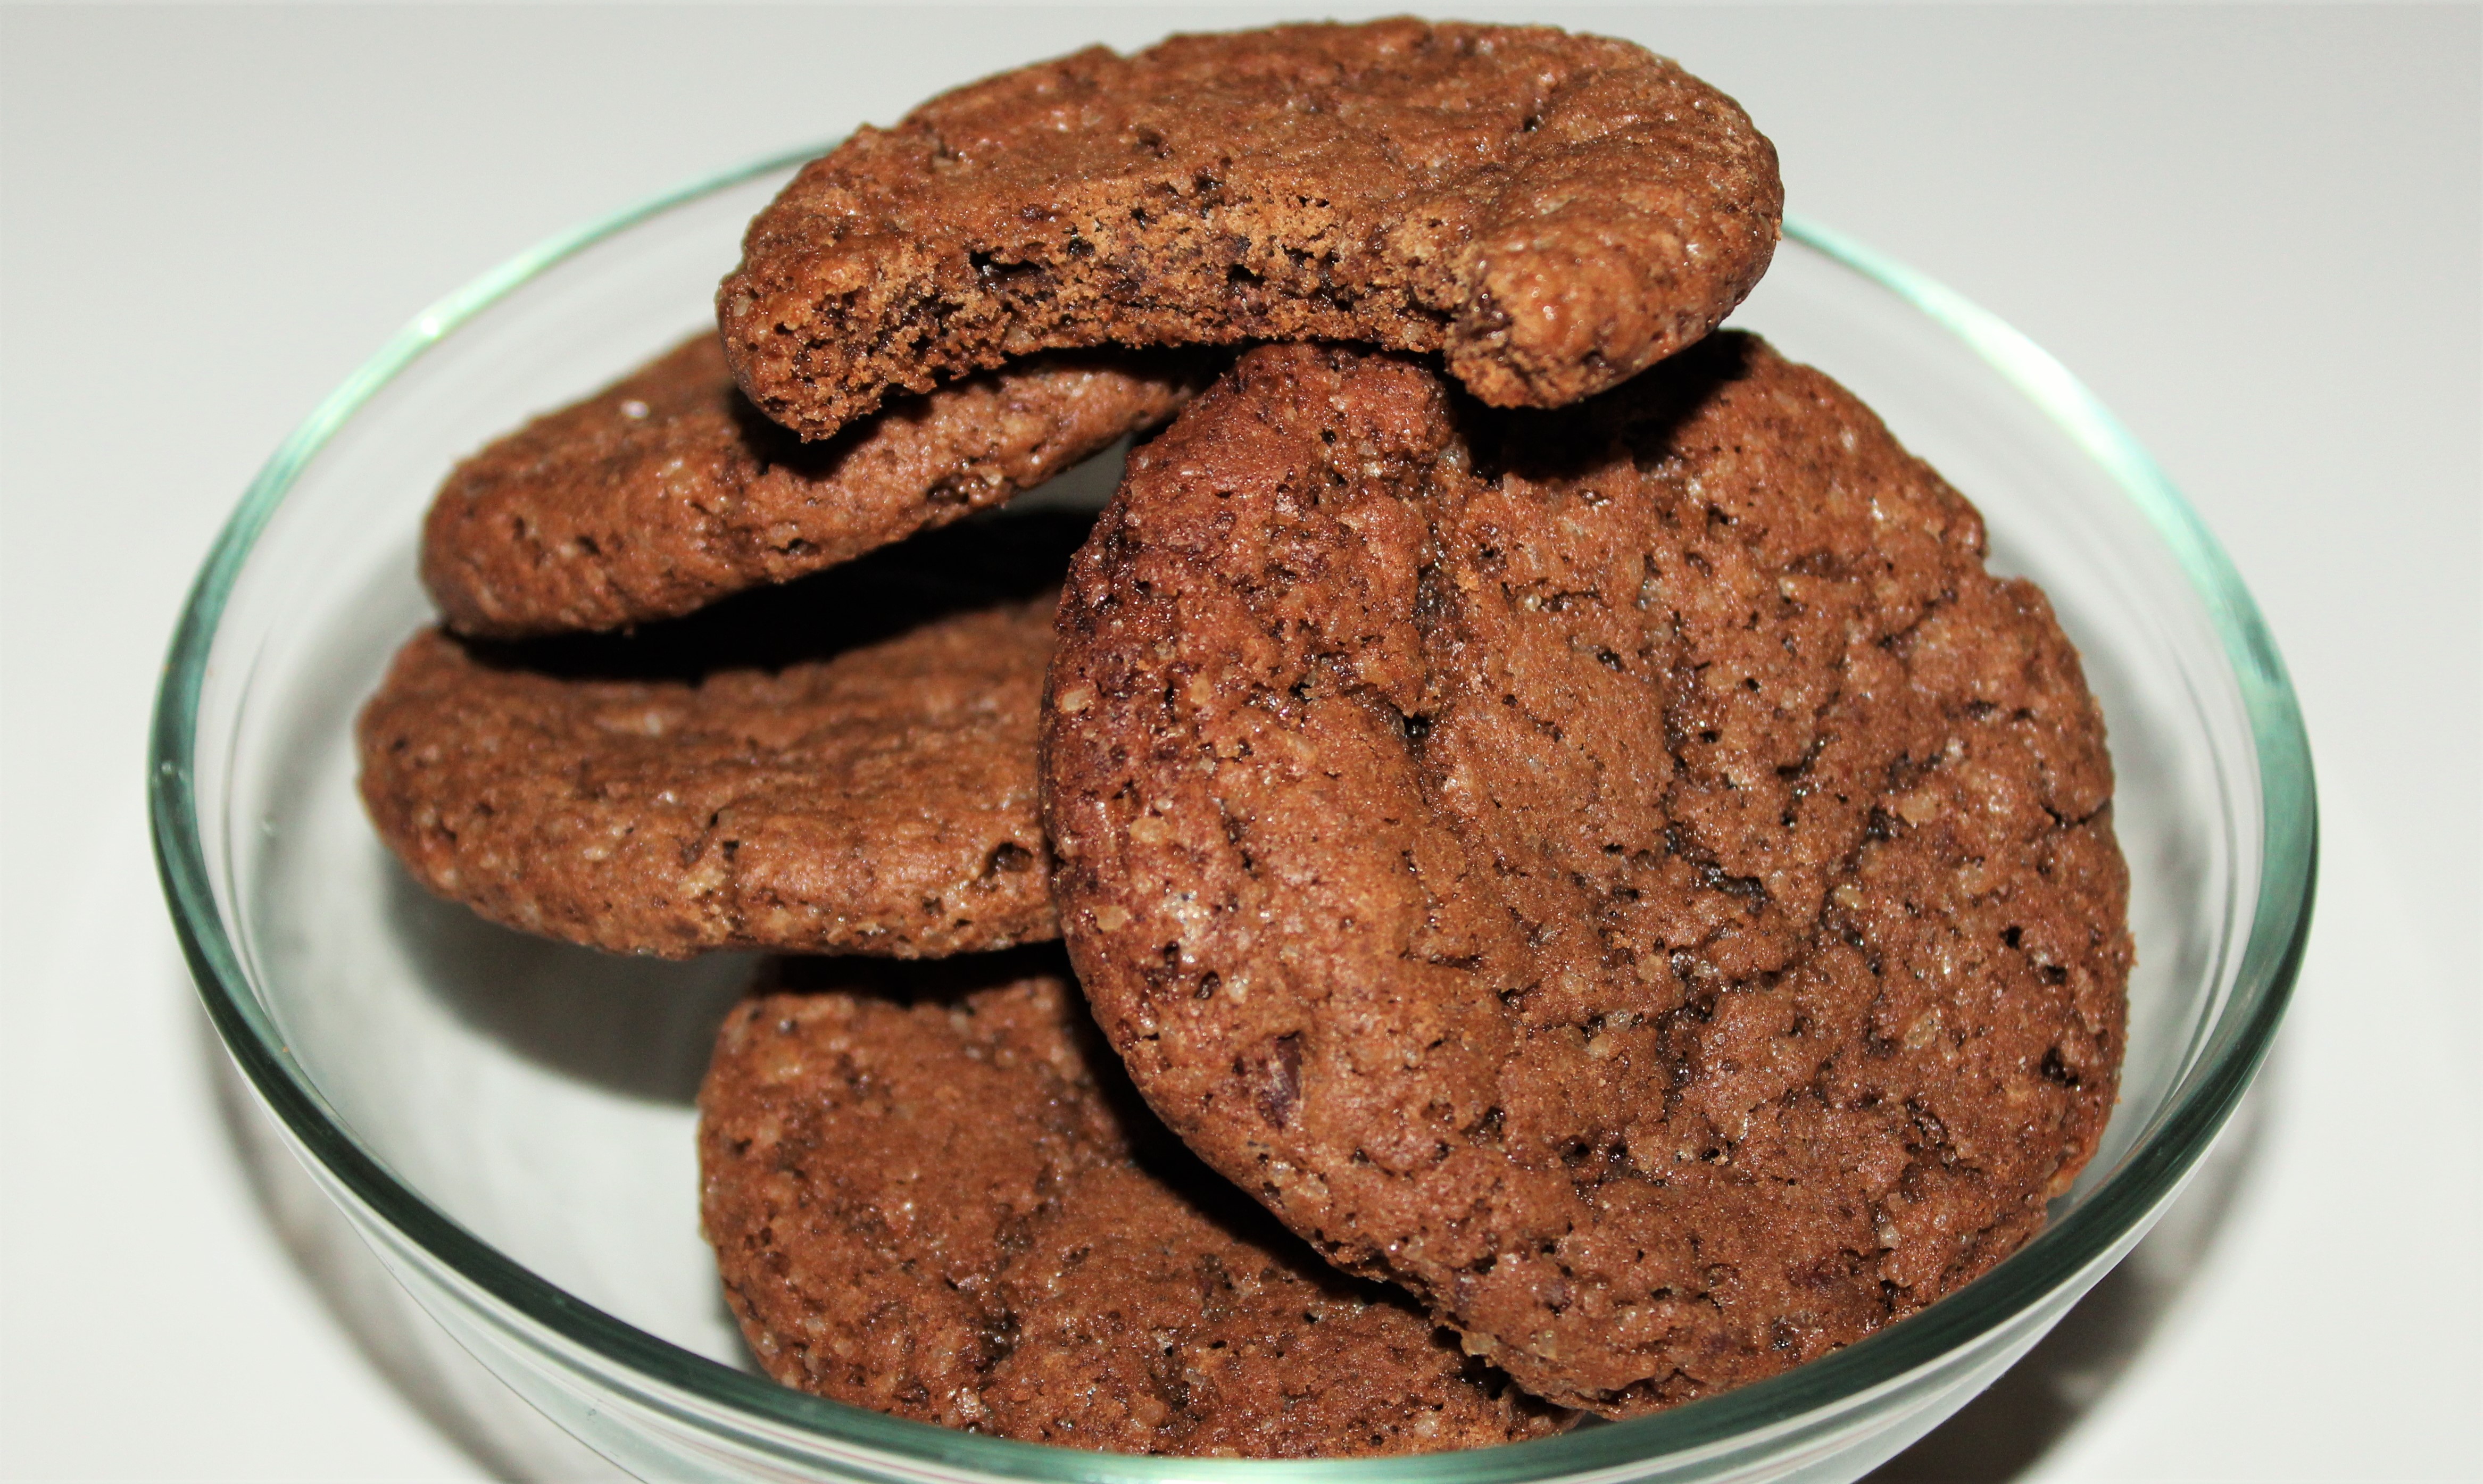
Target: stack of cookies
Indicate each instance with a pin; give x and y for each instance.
(1522, 866)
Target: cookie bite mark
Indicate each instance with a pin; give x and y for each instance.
(668, 491)
(1627, 873)
(931, 1192)
(841, 764)
(1551, 212)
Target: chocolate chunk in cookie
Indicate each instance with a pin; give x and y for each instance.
(1628, 873)
(846, 763)
(1554, 211)
(932, 1193)
(667, 491)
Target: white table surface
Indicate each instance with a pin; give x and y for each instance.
(2254, 232)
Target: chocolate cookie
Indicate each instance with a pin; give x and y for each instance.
(930, 1193)
(842, 764)
(668, 491)
(1629, 874)
(1553, 211)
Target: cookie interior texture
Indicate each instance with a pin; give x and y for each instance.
(932, 1193)
(667, 491)
(1628, 873)
(841, 764)
(1554, 212)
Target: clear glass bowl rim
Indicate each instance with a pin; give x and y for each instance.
(2212, 1084)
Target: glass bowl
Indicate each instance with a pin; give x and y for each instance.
(507, 1122)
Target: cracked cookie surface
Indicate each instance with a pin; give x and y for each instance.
(932, 1193)
(841, 764)
(1629, 873)
(667, 491)
(1554, 212)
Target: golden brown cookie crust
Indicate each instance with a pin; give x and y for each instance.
(1554, 212)
(1629, 874)
(668, 491)
(932, 1193)
(845, 765)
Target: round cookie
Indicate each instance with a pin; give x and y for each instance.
(1629, 874)
(1554, 211)
(842, 764)
(667, 491)
(932, 1193)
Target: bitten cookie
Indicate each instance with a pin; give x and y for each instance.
(843, 764)
(667, 491)
(932, 1193)
(1554, 211)
(1629, 874)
